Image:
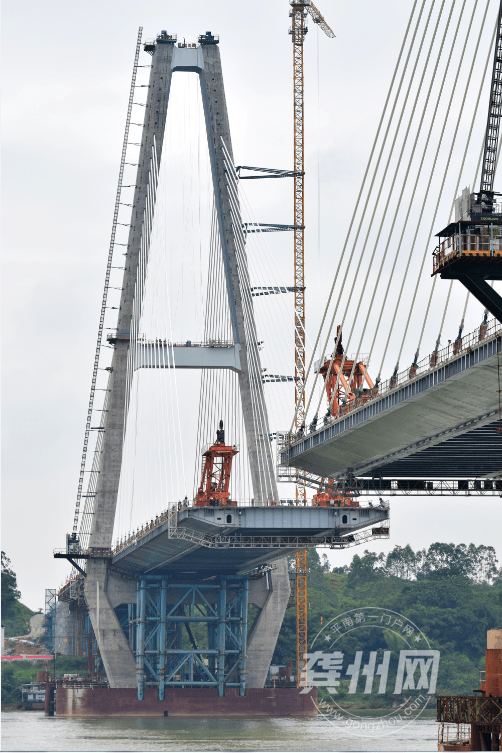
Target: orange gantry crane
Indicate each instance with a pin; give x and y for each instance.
(214, 489)
(336, 371)
(299, 11)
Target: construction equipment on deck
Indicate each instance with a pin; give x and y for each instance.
(329, 496)
(338, 390)
(214, 486)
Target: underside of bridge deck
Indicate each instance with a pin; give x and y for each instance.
(211, 541)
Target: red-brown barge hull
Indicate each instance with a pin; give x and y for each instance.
(183, 702)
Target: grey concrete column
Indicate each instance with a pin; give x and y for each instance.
(273, 599)
(111, 454)
(115, 652)
(119, 663)
(64, 635)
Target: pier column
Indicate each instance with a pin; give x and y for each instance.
(162, 638)
(50, 699)
(220, 636)
(140, 637)
(271, 593)
(243, 636)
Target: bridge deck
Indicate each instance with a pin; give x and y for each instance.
(211, 540)
(441, 424)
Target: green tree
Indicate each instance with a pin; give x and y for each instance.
(317, 567)
(448, 593)
(403, 562)
(10, 591)
(483, 563)
(367, 568)
(10, 685)
(15, 616)
(448, 560)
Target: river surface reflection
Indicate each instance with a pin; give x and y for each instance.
(32, 731)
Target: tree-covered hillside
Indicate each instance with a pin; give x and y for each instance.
(453, 593)
(15, 616)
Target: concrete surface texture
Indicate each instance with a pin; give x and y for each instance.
(37, 622)
(263, 635)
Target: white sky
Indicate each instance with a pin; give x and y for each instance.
(66, 79)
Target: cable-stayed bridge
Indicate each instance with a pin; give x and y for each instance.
(431, 427)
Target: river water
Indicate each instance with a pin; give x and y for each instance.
(32, 731)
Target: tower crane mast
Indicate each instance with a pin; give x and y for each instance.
(298, 14)
(494, 115)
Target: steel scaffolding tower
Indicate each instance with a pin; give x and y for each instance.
(190, 634)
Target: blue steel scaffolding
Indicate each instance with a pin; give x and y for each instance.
(190, 634)
(50, 619)
(94, 662)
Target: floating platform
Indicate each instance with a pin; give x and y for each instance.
(185, 702)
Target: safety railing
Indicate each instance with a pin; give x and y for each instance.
(464, 344)
(206, 447)
(458, 347)
(469, 709)
(84, 683)
(97, 552)
(170, 516)
(141, 339)
(69, 589)
(455, 736)
(459, 244)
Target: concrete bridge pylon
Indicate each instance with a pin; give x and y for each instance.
(103, 590)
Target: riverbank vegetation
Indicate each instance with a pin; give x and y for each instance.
(15, 616)
(452, 593)
(19, 673)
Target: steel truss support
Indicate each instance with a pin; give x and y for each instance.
(190, 634)
(50, 619)
(94, 663)
(395, 487)
(484, 292)
(265, 172)
(267, 227)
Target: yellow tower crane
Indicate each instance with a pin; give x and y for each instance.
(299, 10)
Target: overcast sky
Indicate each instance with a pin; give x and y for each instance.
(66, 77)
